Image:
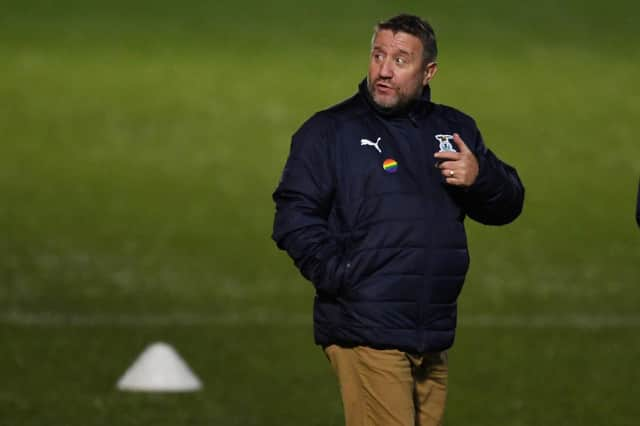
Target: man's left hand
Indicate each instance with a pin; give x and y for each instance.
(458, 168)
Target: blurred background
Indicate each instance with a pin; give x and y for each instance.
(140, 142)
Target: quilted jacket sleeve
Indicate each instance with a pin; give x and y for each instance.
(497, 195)
(303, 201)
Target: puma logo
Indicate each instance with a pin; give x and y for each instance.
(365, 142)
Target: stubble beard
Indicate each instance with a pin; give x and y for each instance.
(395, 103)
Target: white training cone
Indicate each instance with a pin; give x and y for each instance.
(159, 369)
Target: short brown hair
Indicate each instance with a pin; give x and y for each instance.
(415, 26)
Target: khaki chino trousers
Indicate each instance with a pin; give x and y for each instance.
(390, 387)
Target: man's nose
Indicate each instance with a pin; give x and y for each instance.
(386, 69)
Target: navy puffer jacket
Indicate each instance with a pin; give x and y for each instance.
(369, 220)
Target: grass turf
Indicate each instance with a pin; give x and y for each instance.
(139, 147)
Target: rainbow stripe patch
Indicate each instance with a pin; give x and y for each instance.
(390, 165)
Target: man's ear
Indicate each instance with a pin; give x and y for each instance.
(429, 72)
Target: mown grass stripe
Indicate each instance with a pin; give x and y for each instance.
(56, 319)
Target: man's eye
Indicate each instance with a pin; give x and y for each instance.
(401, 61)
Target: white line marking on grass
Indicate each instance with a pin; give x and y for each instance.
(551, 321)
(126, 319)
(58, 319)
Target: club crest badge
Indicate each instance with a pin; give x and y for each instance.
(390, 165)
(445, 143)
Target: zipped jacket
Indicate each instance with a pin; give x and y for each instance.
(366, 216)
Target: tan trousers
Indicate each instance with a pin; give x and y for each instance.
(390, 387)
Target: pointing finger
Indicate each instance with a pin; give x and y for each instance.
(447, 155)
(460, 143)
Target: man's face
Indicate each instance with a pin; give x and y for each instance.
(397, 72)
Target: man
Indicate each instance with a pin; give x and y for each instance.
(371, 207)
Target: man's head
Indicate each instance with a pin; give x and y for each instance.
(402, 62)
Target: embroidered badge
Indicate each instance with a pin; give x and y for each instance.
(445, 143)
(390, 165)
(376, 144)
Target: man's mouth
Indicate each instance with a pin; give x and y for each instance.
(384, 87)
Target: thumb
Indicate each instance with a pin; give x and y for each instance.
(460, 143)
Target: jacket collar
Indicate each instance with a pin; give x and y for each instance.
(412, 111)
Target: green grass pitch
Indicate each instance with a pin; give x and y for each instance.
(139, 146)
